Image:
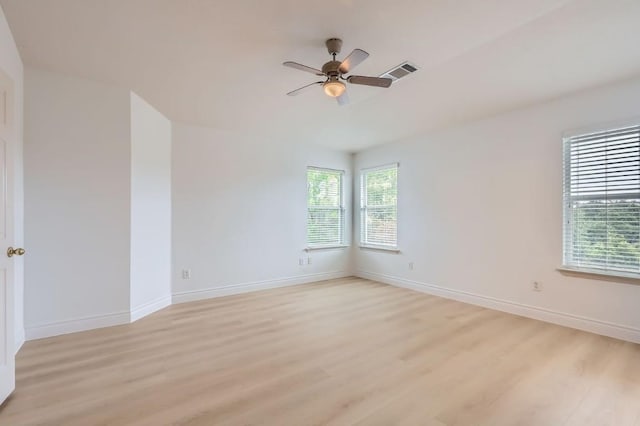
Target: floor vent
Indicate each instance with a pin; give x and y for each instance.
(401, 71)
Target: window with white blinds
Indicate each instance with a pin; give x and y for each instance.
(602, 200)
(325, 209)
(379, 207)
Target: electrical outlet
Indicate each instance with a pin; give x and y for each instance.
(309, 260)
(536, 286)
(186, 274)
(301, 261)
(411, 266)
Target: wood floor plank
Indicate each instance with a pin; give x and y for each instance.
(339, 352)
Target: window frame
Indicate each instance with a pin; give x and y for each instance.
(569, 266)
(364, 244)
(341, 211)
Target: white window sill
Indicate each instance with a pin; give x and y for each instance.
(340, 246)
(599, 274)
(380, 248)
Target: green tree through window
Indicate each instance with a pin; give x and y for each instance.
(325, 211)
(379, 206)
(602, 200)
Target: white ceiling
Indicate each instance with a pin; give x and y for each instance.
(218, 63)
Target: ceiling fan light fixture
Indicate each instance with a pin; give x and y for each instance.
(334, 88)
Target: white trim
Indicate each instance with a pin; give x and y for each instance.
(75, 325)
(149, 308)
(601, 127)
(364, 207)
(604, 328)
(571, 261)
(327, 169)
(627, 277)
(228, 290)
(379, 248)
(342, 209)
(119, 318)
(19, 340)
(381, 167)
(329, 247)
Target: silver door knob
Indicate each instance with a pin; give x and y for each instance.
(15, 251)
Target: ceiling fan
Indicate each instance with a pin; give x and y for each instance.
(334, 72)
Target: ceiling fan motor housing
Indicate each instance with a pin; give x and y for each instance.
(331, 68)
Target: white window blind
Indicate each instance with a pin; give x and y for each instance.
(379, 206)
(602, 200)
(325, 209)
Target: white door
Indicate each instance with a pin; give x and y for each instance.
(7, 142)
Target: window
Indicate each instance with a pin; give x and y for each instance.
(602, 200)
(325, 209)
(379, 207)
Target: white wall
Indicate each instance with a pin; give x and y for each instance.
(239, 213)
(77, 198)
(480, 214)
(11, 64)
(150, 208)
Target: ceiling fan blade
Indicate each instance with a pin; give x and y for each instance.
(343, 99)
(370, 81)
(304, 88)
(353, 60)
(302, 67)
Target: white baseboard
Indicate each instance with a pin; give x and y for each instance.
(604, 328)
(119, 318)
(228, 290)
(75, 325)
(149, 308)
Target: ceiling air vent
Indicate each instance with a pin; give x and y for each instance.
(401, 71)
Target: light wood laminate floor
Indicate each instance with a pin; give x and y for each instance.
(338, 352)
